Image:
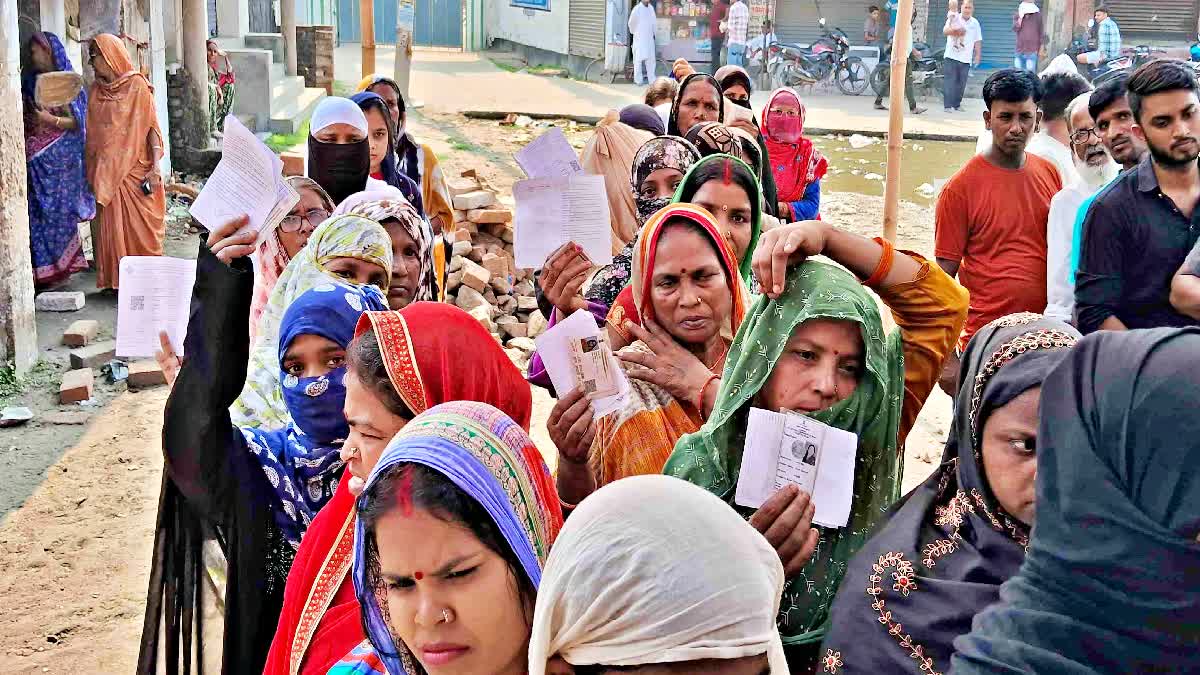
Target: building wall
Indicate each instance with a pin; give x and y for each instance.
(546, 30)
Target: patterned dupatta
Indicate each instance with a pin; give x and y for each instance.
(489, 457)
(426, 347)
(916, 585)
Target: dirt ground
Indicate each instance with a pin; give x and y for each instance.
(79, 502)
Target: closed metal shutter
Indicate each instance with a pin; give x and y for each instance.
(999, 40)
(1157, 19)
(585, 35)
(796, 20)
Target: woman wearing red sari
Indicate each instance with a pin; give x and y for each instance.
(401, 364)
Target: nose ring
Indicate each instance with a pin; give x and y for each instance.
(446, 616)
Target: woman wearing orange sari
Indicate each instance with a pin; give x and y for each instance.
(690, 301)
(401, 364)
(123, 147)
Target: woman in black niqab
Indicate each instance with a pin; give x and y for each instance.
(1111, 582)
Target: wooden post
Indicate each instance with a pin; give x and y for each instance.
(366, 20)
(404, 43)
(895, 145)
(287, 26)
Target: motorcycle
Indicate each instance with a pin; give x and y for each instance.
(927, 70)
(828, 58)
(1107, 69)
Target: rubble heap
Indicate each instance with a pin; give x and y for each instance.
(482, 276)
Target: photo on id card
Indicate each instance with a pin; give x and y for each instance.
(593, 366)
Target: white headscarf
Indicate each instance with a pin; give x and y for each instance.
(337, 110)
(653, 569)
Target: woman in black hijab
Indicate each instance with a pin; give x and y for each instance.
(737, 87)
(642, 116)
(1111, 582)
(945, 550)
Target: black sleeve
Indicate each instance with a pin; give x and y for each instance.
(1099, 281)
(205, 455)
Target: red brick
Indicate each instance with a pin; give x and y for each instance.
(145, 374)
(80, 333)
(76, 386)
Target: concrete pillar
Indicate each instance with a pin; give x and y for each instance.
(158, 78)
(287, 26)
(18, 331)
(233, 18)
(195, 49)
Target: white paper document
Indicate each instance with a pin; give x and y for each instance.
(249, 180)
(791, 449)
(155, 294)
(554, 346)
(549, 156)
(553, 211)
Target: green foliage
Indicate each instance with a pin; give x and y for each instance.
(42, 375)
(283, 142)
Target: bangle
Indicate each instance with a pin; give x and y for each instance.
(703, 390)
(885, 263)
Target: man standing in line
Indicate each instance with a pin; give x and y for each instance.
(990, 226)
(961, 55)
(738, 32)
(1027, 24)
(1053, 140)
(1094, 169)
(642, 21)
(716, 33)
(1108, 38)
(1143, 225)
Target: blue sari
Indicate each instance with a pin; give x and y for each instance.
(59, 194)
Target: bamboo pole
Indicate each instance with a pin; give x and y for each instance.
(366, 20)
(895, 146)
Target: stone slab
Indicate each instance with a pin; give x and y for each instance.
(59, 301)
(93, 356)
(474, 200)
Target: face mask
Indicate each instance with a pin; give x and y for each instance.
(316, 403)
(744, 102)
(649, 207)
(341, 169)
(784, 128)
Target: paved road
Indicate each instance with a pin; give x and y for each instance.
(456, 81)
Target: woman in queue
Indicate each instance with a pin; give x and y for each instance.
(59, 195)
(727, 188)
(814, 344)
(400, 367)
(413, 275)
(121, 154)
(234, 498)
(455, 524)
(609, 153)
(339, 152)
(348, 248)
(282, 244)
(690, 300)
(962, 532)
(631, 589)
(698, 100)
(381, 137)
(737, 87)
(796, 164)
(1109, 584)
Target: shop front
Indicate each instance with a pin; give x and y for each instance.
(683, 28)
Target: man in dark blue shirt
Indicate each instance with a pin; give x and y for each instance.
(1141, 227)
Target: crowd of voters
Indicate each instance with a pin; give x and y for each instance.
(350, 485)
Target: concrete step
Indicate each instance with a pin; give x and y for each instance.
(288, 116)
(285, 88)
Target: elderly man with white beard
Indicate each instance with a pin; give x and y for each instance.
(1096, 168)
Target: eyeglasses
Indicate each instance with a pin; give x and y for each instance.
(1081, 137)
(292, 223)
(786, 112)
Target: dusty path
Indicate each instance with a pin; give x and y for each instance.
(75, 554)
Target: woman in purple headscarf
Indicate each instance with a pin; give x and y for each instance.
(59, 195)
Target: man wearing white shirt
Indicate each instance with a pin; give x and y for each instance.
(642, 21)
(1094, 168)
(961, 54)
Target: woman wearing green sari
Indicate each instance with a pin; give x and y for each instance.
(815, 344)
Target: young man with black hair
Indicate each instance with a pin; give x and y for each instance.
(990, 227)
(1053, 141)
(1143, 225)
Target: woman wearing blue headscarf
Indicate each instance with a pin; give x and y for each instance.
(240, 499)
(381, 136)
(59, 195)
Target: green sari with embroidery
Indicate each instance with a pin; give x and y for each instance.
(712, 457)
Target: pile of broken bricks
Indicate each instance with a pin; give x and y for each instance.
(482, 277)
(87, 354)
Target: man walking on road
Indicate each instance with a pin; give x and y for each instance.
(1142, 226)
(716, 33)
(642, 21)
(738, 26)
(961, 54)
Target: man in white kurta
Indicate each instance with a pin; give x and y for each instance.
(642, 21)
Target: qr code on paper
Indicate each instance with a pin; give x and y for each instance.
(137, 303)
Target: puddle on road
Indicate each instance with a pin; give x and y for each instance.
(926, 165)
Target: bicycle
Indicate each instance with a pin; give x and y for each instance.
(596, 72)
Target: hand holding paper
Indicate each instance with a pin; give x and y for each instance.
(155, 295)
(558, 355)
(549, 156)
(554, 211)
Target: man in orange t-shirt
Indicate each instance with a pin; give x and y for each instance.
(990, 229)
